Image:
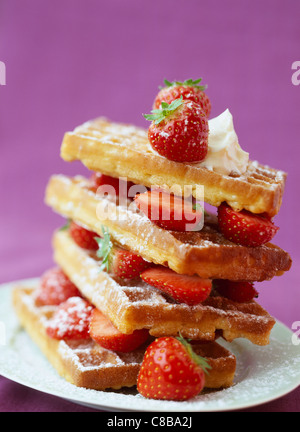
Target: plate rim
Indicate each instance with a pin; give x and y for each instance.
(120, 406)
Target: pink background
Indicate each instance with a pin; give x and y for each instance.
(68, 61)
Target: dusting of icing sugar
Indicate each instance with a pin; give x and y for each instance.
(73, 315)
(263, 373)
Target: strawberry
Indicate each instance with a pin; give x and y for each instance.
(191, 290)
(83, 237)
(122, 263)
(97, 179)
(245, 228)
(189, 90)
(179, 131)
(169, 211)
(120, 186)
(71, 320)
(240, 292)
(126, 264)
(171, 370)
(108, 336)
(55, 288)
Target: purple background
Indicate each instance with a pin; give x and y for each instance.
(72, 60)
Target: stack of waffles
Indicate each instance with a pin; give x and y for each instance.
(126, 290)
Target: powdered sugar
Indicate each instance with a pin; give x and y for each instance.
(263, 373)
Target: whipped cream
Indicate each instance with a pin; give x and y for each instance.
(225, 155)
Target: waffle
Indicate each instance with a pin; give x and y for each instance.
(122, 150)
(86, 364)
(206, 253)
(136, 305)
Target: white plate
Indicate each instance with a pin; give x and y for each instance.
(263, 373)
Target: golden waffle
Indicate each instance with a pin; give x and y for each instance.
(86, 364)
(206, 253)
(137, 305)
(122, 150)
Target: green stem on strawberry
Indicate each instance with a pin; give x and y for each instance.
(158, 115)
(105, 247)
(200, 361)
(66, 226)
(188, 82)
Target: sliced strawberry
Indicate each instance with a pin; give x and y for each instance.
(122, 263)
(108, 336)
(118, 186)
(191, 290)
(83, 237)
(54, 288)
(240, 292)
(126, 264)
(245, 228)
(171, 370)
(71, 320)
(169, 211)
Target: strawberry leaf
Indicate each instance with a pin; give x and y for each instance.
(158, 115)
(66, 226)
(200, 361)
(105, 247)
(188, 82)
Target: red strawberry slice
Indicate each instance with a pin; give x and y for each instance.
(108, 336)
(83, 237)
(245, 228)
(240, 292)
(122, 263)
(171, 371)
(126, 264)
(179, 131)
(55, 288)
(71, 320)
(188, 89)
(117, 186)
(191, 290)
(169, 211)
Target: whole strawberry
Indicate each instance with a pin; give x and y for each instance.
(171, 371)
(188, 89)
(179, 131)
(245, 228)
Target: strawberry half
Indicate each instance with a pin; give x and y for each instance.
(83, 237)
(71, 320)
(171, 371)
(190, 290)
(122, 263)
(126, 264)
(240, 292)
(188, 89)
(108, 336)
(55, 288)
(245, 228)
(179, 131)
(169, 211)
(118, 186)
